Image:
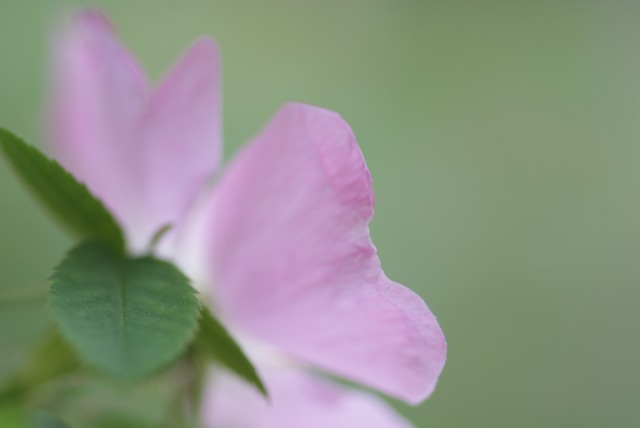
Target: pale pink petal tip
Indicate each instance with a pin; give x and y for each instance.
(181, 136)
(145, 152)
(97, 92)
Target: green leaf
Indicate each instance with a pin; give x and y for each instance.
(214, 340)
(68, 200)
(129, 317)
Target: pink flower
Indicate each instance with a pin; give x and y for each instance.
(280, 244)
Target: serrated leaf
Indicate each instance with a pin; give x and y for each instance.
(214, 340)
(127, 316)
(68, 200)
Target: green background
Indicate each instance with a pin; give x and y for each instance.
(504, 143)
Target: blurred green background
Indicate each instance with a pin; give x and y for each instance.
(504, 142)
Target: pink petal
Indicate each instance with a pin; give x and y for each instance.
(296, 400)
(180, 139)
(293, 263)
(146, 154)
(98, 95)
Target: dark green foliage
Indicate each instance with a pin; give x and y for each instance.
(68, 200)
(214, 340)
(129, 317)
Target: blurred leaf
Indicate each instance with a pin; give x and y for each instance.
(24, 320)
(13, 415)
(214, 340)
(129, 317)
(97, 401)
(67, 199)
(52, 358)
(44, 419)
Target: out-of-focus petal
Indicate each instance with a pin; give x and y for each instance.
(98, 95)
(145, 153)
(180, 139)
(296, 400)
(293, 263)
